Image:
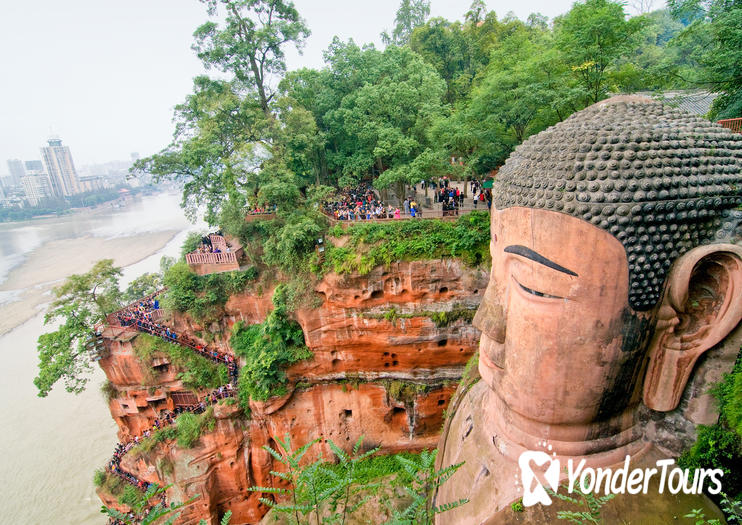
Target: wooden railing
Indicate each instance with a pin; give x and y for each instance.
(732, 124)
(218, 242)
(260, 214)
(211, 258)
(111, 318)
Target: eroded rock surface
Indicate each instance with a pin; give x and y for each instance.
(382, 369)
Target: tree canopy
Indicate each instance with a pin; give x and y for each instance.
(470, 90)
(411, 14)
(714, 42)
(250, 43)
(81, 303)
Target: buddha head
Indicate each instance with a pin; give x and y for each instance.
(614, 266)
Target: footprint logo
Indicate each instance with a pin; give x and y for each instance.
(537, 494)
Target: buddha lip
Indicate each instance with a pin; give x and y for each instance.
(486, 358)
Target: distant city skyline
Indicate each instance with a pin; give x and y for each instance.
(106, 76)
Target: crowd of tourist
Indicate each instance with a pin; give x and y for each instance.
(206, 246)
(141, 316)
(262, 210)
(359, 203)
(362, 203)
(165, 418)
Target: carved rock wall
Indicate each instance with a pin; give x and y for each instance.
(373, 339)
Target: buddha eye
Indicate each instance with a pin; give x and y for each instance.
(536, 292)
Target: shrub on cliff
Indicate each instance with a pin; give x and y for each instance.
(197, 372)
(720, 445)
(372, 244)
(189, 427)
(202, 296)
(268, 348)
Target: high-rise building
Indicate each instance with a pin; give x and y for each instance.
(60, 168)
(34, 167)
(36, 183)
(37, 188)
(16, 170)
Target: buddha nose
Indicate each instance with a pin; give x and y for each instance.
(491, 318)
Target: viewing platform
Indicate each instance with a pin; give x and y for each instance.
(225, 257)
(450, 215)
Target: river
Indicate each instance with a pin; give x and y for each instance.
(50, 447)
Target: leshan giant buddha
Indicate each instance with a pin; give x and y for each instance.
(614, 268)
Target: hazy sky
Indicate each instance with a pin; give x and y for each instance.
(105, 75)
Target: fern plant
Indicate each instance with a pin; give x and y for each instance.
(146, 515)
(590, 501)
(732, 512)
(425, 479)
(329, 495)
(298, 478)
(345, 486)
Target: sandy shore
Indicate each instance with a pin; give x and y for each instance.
(54, 261)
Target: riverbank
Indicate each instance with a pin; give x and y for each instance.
(53, 445)
(47, 265)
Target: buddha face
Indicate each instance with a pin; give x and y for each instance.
(560, 344)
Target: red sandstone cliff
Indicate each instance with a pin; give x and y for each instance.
(382, 368)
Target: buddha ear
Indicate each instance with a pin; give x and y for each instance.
(701, 306)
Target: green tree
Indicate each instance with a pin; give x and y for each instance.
(382, 125)
(250, 44)
(225, 131)
(592, 36)
(217, 133)
(477, 11)
(717, 30)
(411, 13)
(81, 303)
(525, 88)
(446, 47)
(655, 63)
(143, 285)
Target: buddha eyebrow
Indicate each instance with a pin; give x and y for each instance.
(537, 257)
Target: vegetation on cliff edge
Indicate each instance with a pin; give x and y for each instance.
(197, 372)
(373, 244)
(334, 492)
(720, 445)
(186, 431)
(202, 296)
(268, 348)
